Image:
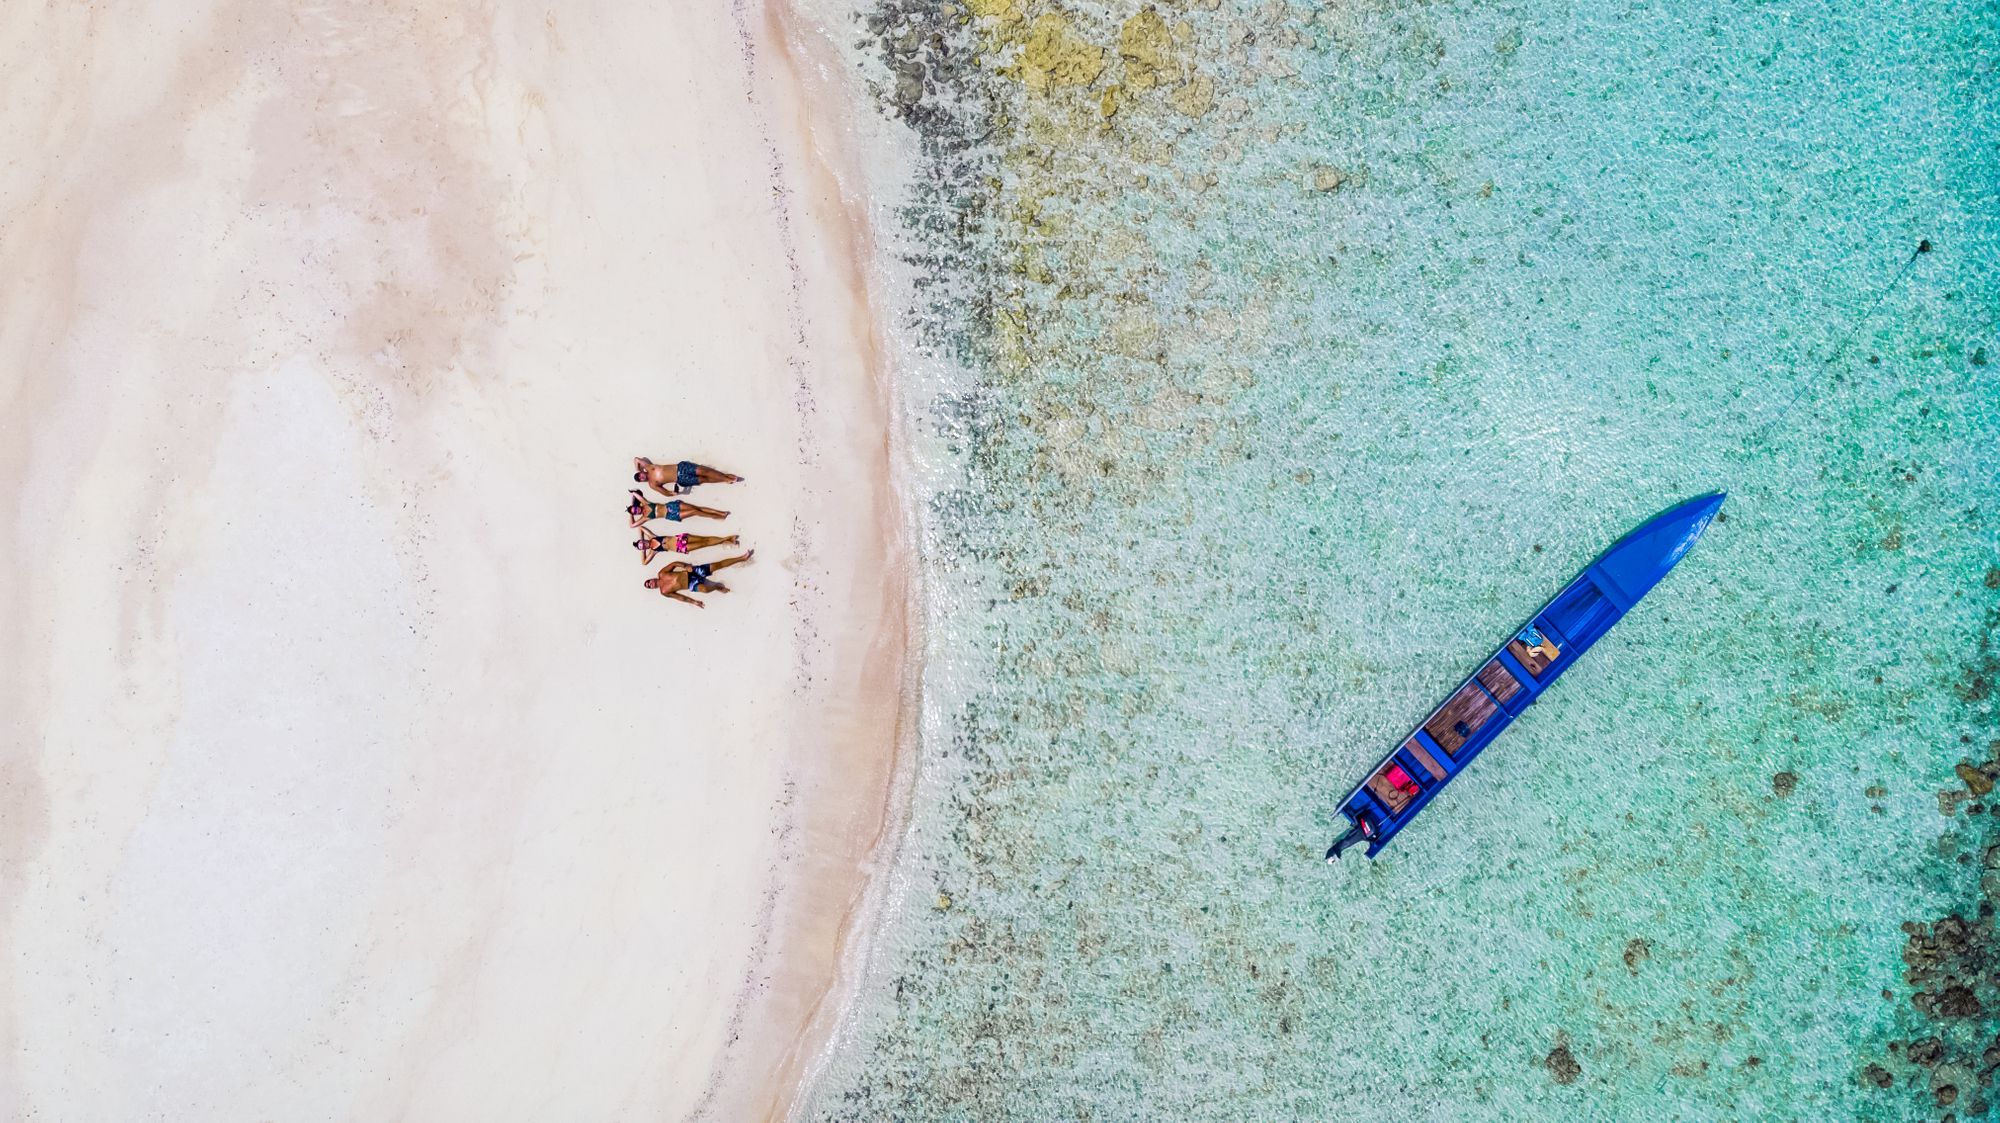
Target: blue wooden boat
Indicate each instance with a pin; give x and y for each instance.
(1445, 742)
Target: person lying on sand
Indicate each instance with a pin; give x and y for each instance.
(679, 578)
(641, 510)
(650, 544)
(673, 479)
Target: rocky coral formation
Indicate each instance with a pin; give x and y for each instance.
(1562, 1065)
(1637, 951)
(1976, 780)
(1952, 964)
(1053, 54)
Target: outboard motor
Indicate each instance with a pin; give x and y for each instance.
(1360, 832)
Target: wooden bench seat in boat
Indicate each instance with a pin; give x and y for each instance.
(1467, 710)
(1499, 681)
(1423, 756)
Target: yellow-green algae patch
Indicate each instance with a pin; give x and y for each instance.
(1052, 55)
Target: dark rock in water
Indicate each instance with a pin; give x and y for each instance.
(1958, 1002)
(1562, 1064)
(1975, 780)
(1878, 1076)
(1636, 951)
(909, 85)
(1950, 961)
(1920, 955)
(1784, 782)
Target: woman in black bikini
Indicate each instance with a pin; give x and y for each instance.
(673, 479)
(642, 509)
(650, 544)
(678, 576)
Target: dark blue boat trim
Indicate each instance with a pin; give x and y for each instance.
(1552, 640)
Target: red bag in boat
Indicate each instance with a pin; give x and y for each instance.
(1401, 780)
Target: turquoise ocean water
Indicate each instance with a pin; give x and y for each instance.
(1298, 354)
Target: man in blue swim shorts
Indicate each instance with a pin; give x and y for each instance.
(677, 579)
(673, 479)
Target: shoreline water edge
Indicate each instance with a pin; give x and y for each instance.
(855, 733)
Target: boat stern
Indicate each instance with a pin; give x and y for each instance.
(1364, 828)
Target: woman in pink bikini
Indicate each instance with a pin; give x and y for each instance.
(649, 544)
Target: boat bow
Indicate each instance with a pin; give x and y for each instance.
(1637, 562)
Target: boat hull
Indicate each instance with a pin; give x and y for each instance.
(1518, 673)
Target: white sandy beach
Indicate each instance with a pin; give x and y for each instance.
(346, 769)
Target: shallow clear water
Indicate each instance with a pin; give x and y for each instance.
(1283, 393)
